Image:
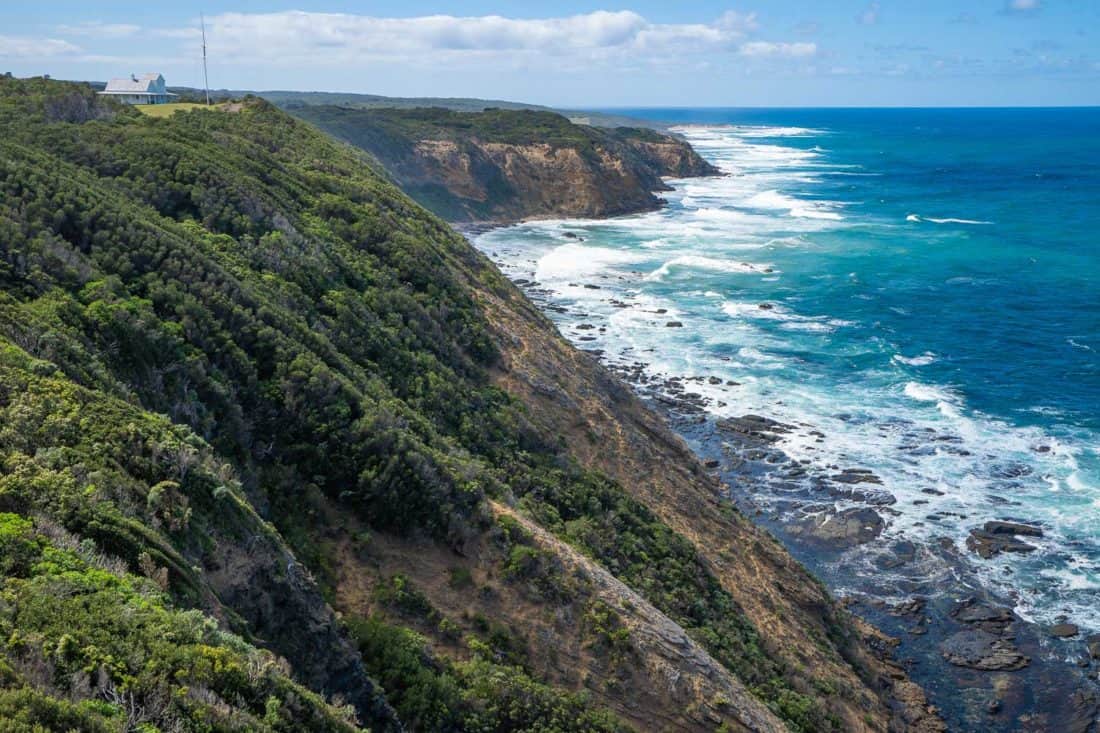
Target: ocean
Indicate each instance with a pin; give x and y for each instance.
(922, 287)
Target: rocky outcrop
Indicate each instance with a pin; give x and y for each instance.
(503, 166)
(982, 650)
(996, 537)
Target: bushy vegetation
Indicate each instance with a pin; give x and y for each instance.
(220, 311)
(480, 694)
(88, 645)
(509, 126)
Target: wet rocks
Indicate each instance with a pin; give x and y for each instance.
(1012, 528)
(978, 649)
(898, 554)
(984, 616)
(910, 607)
(1093, 643)
(1064, 631)
(753, 429)
(674, 324)
(856, 476)
(841, 530)
(988, 642)
(996, 537)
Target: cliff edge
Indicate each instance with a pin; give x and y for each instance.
(503, 166)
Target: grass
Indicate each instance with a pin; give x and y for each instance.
(166, 110)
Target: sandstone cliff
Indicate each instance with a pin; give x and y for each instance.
(508, 165)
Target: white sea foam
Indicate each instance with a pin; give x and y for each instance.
(699, 262)
(788, 321)
(773, 199)
(575, 260)
(746, 130)
(927, 392)
(923, 360)
(815, 213)
(948, 220)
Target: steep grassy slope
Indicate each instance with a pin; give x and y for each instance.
(506, 165)
(243, 380)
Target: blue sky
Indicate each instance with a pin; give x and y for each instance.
(571, 53)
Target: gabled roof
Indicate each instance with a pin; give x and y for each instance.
(135, 84)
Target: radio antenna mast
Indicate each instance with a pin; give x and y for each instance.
(205, 78)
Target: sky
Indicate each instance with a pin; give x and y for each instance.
(760, 53)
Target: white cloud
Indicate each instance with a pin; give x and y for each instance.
(97, 29)
(1022, 8)
(22, 48)
(743, 22)
(767, 48)
(336, 38)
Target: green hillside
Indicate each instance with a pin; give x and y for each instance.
(228, 349)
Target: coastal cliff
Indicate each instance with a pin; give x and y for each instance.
(279, 450)
(508, 165)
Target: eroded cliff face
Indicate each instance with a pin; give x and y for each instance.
(467, 171)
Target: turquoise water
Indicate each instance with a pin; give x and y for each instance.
(933, 278)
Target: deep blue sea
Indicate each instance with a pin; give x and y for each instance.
(923, 273)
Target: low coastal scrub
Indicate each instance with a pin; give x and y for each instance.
(432, 693)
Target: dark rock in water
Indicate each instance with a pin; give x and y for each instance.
(985, 616)
(988, 544)
(931, 492)
(901, 553)
(584, 327)
(714, 380)
(993, 707)
(911, 607)
(570, 235)
(674, 324)
(856, 476)
(1085, 705)
(1012, 528)
(661, 311)
(1094, 646)
(977, 649)
(841, 530)
(711, 464)
(753, 429)
(590, 286)
(1010, 470)
(765, 306)
(998, 536)
(1064, 631)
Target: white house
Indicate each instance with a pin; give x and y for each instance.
(144, 89)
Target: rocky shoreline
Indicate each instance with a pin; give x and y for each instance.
(984, 667)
